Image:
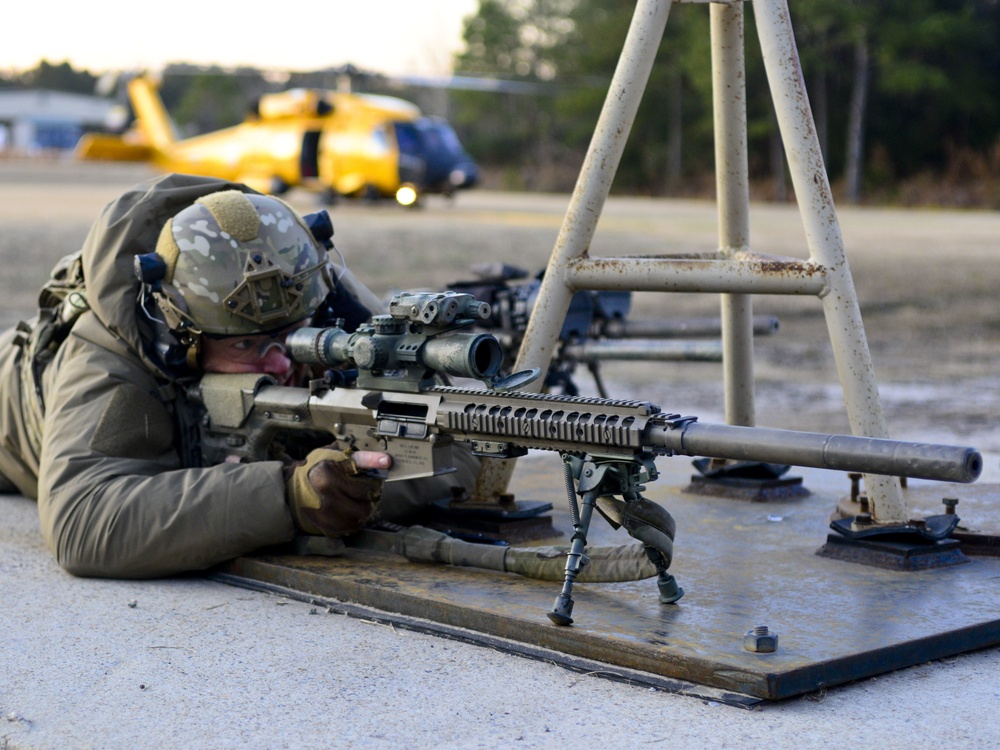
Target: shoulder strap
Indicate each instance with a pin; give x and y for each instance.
(61, 300)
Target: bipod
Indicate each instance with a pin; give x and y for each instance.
(613, 487)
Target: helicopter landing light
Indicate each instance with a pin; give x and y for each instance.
(406, 195)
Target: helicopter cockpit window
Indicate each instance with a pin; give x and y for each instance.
(408, 139)
(439, 135)
(379, 140)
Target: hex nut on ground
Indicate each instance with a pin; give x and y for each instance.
(760, 640)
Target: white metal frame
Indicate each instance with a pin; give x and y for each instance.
(736, 272)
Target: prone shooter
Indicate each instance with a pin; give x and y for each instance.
(142, 407)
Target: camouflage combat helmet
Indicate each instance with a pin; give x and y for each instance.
(239, 264)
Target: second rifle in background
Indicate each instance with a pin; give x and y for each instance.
(597, 328)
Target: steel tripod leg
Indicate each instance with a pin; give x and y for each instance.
(575, 560)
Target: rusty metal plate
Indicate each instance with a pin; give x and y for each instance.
(741, 564)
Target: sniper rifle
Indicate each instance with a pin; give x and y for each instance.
(392, 399)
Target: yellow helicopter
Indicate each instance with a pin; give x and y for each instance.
(336, 143)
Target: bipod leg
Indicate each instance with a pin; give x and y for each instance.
(575, 560)
(595, 373)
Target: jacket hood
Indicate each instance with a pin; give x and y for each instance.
(129, 226)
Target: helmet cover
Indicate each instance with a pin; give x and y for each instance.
(240, 264)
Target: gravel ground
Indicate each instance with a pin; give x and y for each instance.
(192, 663)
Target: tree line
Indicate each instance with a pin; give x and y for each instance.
(905, 97)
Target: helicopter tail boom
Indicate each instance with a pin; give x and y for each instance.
(152, 116)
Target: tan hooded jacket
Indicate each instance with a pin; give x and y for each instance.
(113, 495)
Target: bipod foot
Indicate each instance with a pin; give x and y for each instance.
(561, 610)
(670, 592)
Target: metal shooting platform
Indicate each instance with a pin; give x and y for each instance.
(743, 564)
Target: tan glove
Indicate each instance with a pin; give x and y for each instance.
(328, 494)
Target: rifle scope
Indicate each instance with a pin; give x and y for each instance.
(462, 355)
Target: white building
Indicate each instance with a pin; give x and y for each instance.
(35, 120)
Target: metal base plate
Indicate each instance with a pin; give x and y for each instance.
(894, 555)
(741, 564)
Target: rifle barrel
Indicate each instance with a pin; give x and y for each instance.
(611, 427)
(644, 350)
(840, 452)
(624, 328)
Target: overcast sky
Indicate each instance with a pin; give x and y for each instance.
(389, 36)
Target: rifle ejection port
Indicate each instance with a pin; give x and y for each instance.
(402, 419)
(402, 429)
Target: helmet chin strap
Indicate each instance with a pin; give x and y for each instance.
(185, 338)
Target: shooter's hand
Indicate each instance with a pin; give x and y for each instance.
(332, 492)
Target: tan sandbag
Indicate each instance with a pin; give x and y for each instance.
(607, 564)
(420, 544)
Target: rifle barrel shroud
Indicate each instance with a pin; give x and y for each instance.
(246, 412)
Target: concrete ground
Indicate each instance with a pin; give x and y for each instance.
(192, 663)
(189, 662)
